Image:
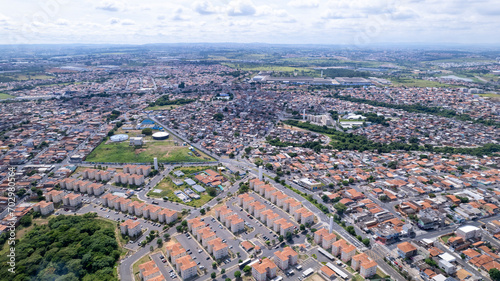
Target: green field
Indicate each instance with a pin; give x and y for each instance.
(168, 188)
(165, 151)
(5, 96)
(162, 107)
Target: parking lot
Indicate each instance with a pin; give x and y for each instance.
(196, 251)
(167, 271)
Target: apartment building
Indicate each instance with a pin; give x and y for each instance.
(44, 207)
(287, 257)
(131, 228)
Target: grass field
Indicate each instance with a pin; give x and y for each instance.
(5, 96)
(162, 107)
(168, 188)
(165, 151)
(25, 77)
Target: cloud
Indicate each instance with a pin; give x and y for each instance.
(405, 14)
(128, 22)
(62, 22)
(304, 3)
(114, 21)
(110, 6)
(335, 14)
(241, 8)
(204, 7)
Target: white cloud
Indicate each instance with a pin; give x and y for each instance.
(405, 14)
(241, 8)
(128, 22)
(110, 6)
(114, 21)
(204, 7)
(62, 22)
(304, 3)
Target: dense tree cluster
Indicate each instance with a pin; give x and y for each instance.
(67, 248)
(165, 100)
(418, 108)
(349, 141)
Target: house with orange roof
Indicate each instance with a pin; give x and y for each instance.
(247, 246)
(244, 200)
(44, 207)
(55, 196)
(187, 267)
(72, 200)
(406, 250)
(347, 253)
(264, 269)
(131, 228)
(149, 271)
(304, 216)
(167, 216)
(217, 248)
(337, 246)
(287, 257)
(175, 251)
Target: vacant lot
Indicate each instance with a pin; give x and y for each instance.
(165, 151)
(5, 96)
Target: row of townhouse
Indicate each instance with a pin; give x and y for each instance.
(271, 219)
(137, 169)
(44, 207)
(132, 179)
(183, 262)
(230, 219)
(71, 200)
(208, 238)
(95, 174)
(82, 186)
(136, 208)
(290, 205)
(149, 271)
(131, 228)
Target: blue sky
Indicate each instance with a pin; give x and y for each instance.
(357, 22)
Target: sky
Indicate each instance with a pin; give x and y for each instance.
(350, 22)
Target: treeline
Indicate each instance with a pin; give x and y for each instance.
(67, 248)
(349, 141)
(165, 100)
(418, 108)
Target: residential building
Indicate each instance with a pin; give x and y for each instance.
(262, 270)
(287, 257)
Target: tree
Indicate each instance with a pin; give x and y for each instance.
(159, 242)
(237, 274)
(288, 236)
(213, 275)
(202, 211)
(247, 268)
(351, 230)
(25, 221)
(302, 227)
(341, 208)
(281, 238)
(151, 248)
(228, 279)
(211, 191)
(218, 116)
(269, 166)
(494, 274)
(366, 241)
(214, 265)
(325, 198)
(222, 271)
(166, 236)
(147, 131)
